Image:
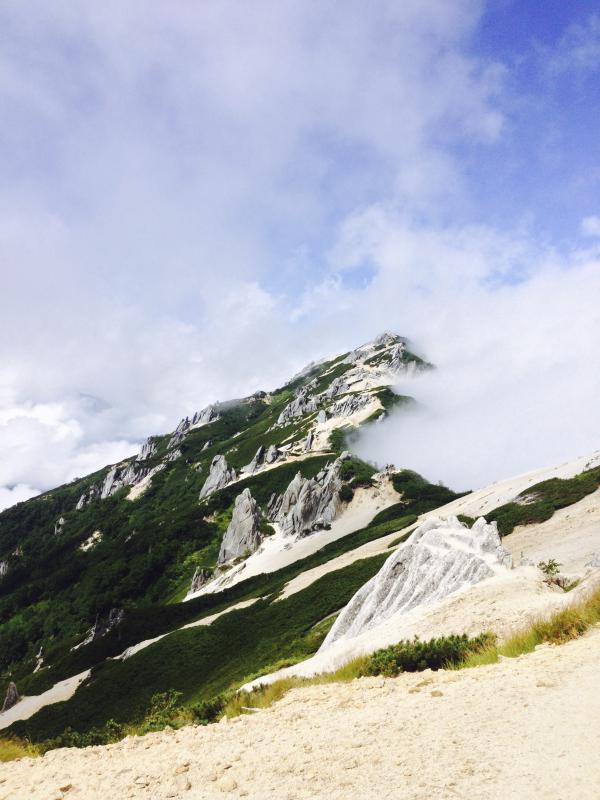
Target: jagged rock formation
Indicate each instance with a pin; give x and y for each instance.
(87, 497)
(103, 626)
(243, 535)
(148, 449)
(173, 455)
(309, 504)
(12, 697)
(441, 557)
(120, 475)
(350, 404)
(59, 526)
(256, 461)
(199, 579)
(302, 404)
(208, 414)
(308, 442)
(219, 476)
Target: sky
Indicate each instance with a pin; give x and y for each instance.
(196, 199)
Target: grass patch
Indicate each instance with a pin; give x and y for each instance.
(570, 623)
(12, 748)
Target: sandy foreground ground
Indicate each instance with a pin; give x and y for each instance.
(524, 728)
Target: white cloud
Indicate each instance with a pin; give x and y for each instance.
(590, 226)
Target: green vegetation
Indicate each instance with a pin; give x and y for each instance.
(12, 748)
(357, 472)
(202, 662)
(419, 495)
(415, 656)
(539, 502)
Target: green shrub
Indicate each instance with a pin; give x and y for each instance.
(415, 655)
(346, 494)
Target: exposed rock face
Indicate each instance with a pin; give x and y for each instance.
(309, 504)
(219, 476)
(302, 404)
(308, 443)
(350, 405)
(148, 449)
(12, 697)
(256, 461)
(272, 454)
(128, 474)
(200, 578)
(3, 568)
(206, 445)
(103, 626)
(87, 497)
(208, 414)
(243, 535)
(59, 526)
(441, 557)
(322, 416)
(173, 455)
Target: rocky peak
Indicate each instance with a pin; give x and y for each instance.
(243, 535)
(148, 449)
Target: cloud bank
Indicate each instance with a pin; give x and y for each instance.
(198, 199)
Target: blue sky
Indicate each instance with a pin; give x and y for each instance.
(195, 199)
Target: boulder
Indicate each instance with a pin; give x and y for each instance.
(308, 443)
(243, 536)
(219, 476)
(12, 697)
(59, 526)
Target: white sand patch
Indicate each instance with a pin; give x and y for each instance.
(323, 430)
(526, 728)
(279, 551)
(28, 706)
(135, 648)
(571, 536)
(487, 499)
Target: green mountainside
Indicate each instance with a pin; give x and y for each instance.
(100, 564)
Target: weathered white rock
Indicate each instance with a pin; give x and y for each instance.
(347, 406)
(308, 443)
(322, 416)
(59, 526)
(148, 449)
(219, 476)
(103, 625)
(256, 461)
(128, 474)
(440, 558)
(173, 455)
(243, 536)
(87, 497)
(204, 417)
(199, 579)
(272, 454)
(309, 504)
(594, 561)
(302, 404)
(3, 568)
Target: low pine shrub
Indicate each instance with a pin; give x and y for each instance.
(415, 655)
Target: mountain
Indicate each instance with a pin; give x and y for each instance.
(240, 489)
(249, 545)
